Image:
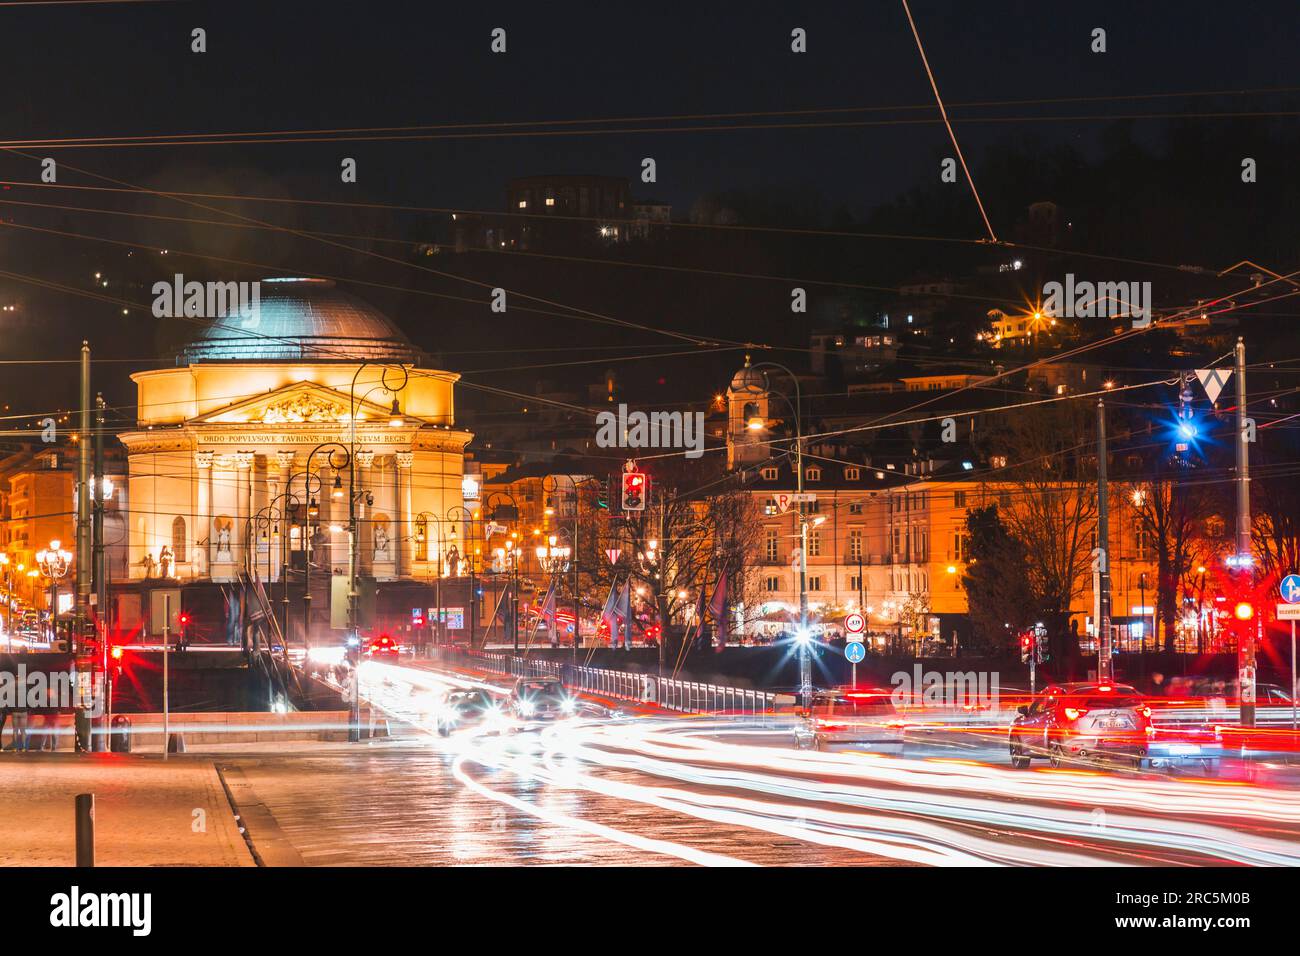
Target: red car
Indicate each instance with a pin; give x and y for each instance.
(382, 646)
(1082, 721)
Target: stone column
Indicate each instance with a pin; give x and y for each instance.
(365, 541)
(404, 523)
(203, 461)
(243, 504)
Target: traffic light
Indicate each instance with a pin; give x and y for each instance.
(1243, 611)
(183, 619)
(1026, 647)
(635, 487)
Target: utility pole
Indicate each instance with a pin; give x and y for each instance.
(78, 632)
(98, 569)
(1105, 661)
(1244, 563)
(577, 604)
(167, 640)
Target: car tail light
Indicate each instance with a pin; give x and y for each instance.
(1146, 712)
(1074, 713)
(831, 725)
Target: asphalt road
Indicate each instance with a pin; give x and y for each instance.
(666, 790)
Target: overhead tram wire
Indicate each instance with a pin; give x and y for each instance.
(807, 111)
(685, 225)
(586, 260)
(400, 262)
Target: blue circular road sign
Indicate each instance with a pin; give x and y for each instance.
(854, 652)
(1290, 588)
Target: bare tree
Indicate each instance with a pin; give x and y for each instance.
(1168, 510)
(1052, 507)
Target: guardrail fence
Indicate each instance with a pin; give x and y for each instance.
(684, 696)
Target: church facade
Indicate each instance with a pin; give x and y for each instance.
(246, 452)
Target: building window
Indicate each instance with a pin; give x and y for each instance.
(180, 546)
(998, 461)
(959, 499)
(855, 583)
(550, 200)
(523, 204)
(852, 474)
(812, 474)
(772, 545)
(772, 583)
(814, 544)
(815, 583)
(769, 473)
(855, 507)
(1141, 543)
(855, 544)
(961, 546)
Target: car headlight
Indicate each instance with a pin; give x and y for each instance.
(568, 705)
(526, 707)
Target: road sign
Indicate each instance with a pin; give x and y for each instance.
(805, 496)
(855, 623)
(1213, 380)
(1288, 612)
(854, 652)
(783, 502)
(1290, 588)
(613, 554)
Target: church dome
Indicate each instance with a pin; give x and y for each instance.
(748, 379)
(301, 320)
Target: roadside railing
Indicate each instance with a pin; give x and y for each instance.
(693, 697)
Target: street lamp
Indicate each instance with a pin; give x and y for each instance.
(754, 422)
(512, 551)
(9, 598)
(354, 637)
(54, 563)
(313, 516)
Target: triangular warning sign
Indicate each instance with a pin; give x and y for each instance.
(1213, 380)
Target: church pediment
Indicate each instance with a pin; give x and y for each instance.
(300, 403)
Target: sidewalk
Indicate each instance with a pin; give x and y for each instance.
(145, 811)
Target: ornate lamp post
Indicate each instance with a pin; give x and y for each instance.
(54, 563)
(511, 551)
(354, 637)
(312, 516)
(756, 423)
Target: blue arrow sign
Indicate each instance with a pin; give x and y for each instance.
(854, 652)
(1290, 588)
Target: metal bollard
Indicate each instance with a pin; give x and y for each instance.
(85, 803)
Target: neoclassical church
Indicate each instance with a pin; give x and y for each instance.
(239, 461)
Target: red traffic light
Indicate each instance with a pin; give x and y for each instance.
(183, 619)
(634, 491)
(116, 653)
(1244, 611)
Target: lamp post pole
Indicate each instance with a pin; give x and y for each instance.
(354, 636)
(803, 639)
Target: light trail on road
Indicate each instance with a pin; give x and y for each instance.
(927, 811)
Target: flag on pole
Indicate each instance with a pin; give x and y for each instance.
(548, 606)
(625, 612)
(718, 608)
(607, 614)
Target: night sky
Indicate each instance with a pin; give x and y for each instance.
(127, 70)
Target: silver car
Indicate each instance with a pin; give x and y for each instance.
(851, 720)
